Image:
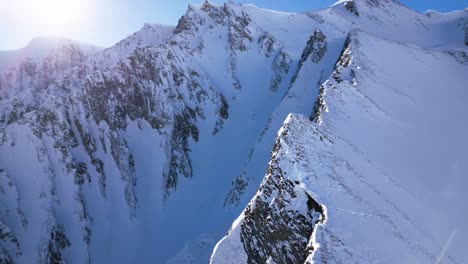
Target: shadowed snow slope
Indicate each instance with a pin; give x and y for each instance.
(147, 151)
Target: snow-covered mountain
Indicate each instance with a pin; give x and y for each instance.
(37, 49)
(151, 35)
(149, 150)
(378, 165)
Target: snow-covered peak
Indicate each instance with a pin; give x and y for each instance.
(150, 35)
(369, 3)
(38, 48)
(43, 44)
(392, 20)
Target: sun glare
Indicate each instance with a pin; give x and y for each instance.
(50, 17)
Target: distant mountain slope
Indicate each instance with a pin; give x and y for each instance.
(148, 150)
(36, 50)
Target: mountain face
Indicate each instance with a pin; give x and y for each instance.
(336, 186)
(147, 151)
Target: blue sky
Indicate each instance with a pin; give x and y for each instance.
(104, 22)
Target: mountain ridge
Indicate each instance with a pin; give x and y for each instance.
(305, 165)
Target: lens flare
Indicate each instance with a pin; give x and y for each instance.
(49, 17)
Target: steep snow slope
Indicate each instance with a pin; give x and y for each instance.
(89, 143)
(115, 144)
(387, 19)
(384, 156)
(148, 150)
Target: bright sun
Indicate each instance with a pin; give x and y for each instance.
(50, 17)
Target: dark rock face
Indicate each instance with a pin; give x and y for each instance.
(343, 62)
(238, 187)
(373, 2)
(5, 258)
(10, 247)
(319, 106)
(8, 243)
(186, 23)
(315, 49)
(280, 69)
(239, 36)
(267, 43)
(274, 228)
(460, 56)
(223, 114)
(351, 7)
(180, 163)
(58, 242)
(378, 3)
(239, 32)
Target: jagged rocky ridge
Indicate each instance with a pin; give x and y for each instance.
(121, 145)
(278, 225)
